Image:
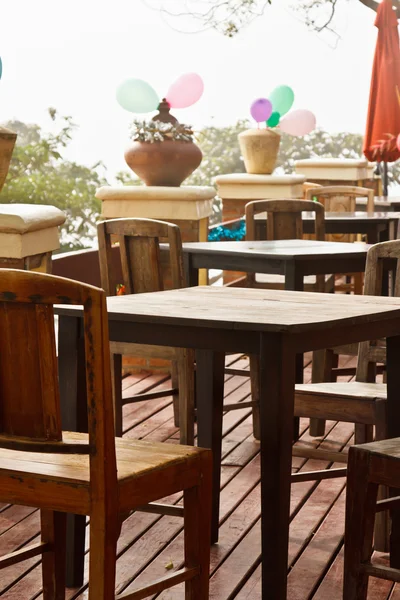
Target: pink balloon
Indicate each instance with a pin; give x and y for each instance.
(185, 91)
(298, 122)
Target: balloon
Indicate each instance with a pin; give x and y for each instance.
(298, 122)
(282, 98)
(261, 109)
(273, 121)
(185, 91)
(137, 96)
(1, 67)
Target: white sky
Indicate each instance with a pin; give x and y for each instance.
(72, 55)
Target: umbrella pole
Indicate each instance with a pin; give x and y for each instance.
(385, 179)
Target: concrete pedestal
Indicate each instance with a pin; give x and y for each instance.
(340, 171)
(28, 235)
(237, 189)
(188, 207)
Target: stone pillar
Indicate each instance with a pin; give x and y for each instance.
(189, 207)
(340, 171)
(237, 189)
(28, 235)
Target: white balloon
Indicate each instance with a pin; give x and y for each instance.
(298, 122)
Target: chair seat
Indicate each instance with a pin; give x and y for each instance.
(136, 459)
(351, 402)
(388, 449)
(357, 390)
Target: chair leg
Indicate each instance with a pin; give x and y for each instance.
(116, 376)
(360, 517)
(255, 393)
(358, 283)
(197, 522)
(382, 519)
(53, 528)
(103, 556)
(186, 359)
(363, 434)
(175, 385)
(322, 363)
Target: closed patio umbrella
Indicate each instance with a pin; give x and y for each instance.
(383, 121)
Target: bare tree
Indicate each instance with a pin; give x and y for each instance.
(230, 16)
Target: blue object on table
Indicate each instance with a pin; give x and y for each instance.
(235, 233)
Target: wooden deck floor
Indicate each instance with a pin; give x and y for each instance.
(149, 543)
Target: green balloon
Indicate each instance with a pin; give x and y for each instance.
(282, 98)
(274, 119)
(137, 96)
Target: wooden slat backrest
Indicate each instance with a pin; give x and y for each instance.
(29, 396)
(284, 218)
(341, 198)
(371, 352)
(139, 242)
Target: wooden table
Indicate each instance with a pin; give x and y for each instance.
(377, 226)
(382, 203)
(273, 324)
(292, 258)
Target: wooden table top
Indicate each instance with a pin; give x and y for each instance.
(280, 249)
(248, 309)
(358, 216)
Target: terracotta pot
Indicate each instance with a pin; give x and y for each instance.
(260, 149)
(163, 163)
(7, 143)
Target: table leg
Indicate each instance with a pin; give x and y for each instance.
(210, 397)
(192, 274)
(74, 418)
(294, 281)
(393, 392)
(277, 379)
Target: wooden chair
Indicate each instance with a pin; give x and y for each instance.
(362, 402)
(139, 243)
(284, 222)
(337, 199)
(342, 198)
(90, 474)
(369, 466)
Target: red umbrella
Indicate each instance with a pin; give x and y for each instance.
(383, 122)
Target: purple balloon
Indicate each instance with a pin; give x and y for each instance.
(261, 109)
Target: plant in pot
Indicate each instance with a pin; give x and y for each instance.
(260, 146)
(162, 152)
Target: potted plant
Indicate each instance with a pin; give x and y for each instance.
(7, 143)
(162, 153)
(260, 146)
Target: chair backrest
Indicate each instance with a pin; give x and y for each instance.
(341, 198)
(373, 352)
(284, 219)
(309, 185)
(139, 244)
(29, 393)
